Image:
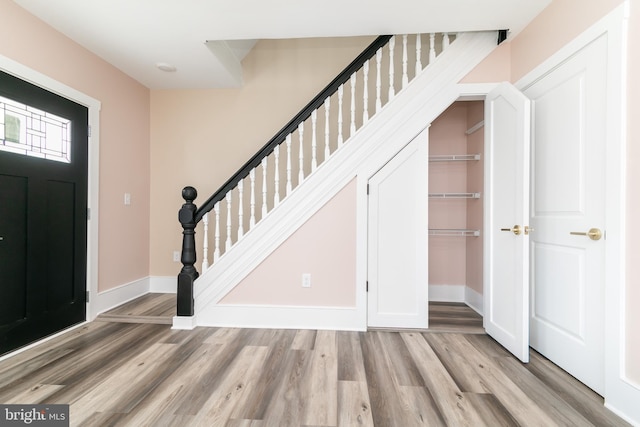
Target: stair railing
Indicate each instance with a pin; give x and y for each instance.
(268, 175)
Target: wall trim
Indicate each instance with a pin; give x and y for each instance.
(281, 317)
(114, 297)
(23, 72)
(474, 299)
(446, 293)
(163, 284)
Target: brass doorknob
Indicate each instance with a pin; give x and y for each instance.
(517, 230)
(593, 234)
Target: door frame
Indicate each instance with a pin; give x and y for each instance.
(618, 389)
(621, 394)
(34, 77)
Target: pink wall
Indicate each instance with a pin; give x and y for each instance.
(448, 255)
(325, 247)
(475, 183)
(124, 136)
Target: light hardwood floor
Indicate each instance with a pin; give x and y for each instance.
(145, 374)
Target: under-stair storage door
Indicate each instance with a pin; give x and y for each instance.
(398, 232)
(506, 244)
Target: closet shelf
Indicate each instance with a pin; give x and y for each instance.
(454, 157)
(454, 195)
(453, 232)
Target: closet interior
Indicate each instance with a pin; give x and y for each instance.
(456, 147)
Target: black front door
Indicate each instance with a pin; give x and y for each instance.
(43, 212)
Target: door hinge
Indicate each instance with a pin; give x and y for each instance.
(88, 214)
(89, 131)
(367, 189)
(88, 293)
(367, 286)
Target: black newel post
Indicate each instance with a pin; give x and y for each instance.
(188, 273)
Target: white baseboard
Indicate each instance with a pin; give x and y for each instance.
(163, 284)
(474, 300)
(447, 293)
(282, 317)
(114, 297)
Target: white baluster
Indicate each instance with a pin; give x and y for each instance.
(445, 41)
(418, 54)
(264, 187)
(205, 242)
(216, 252)
(327, 111)
(314, 142)
(352, 128)
(432, 47)
(340, 98)
(288, 164)
(392, 90)
(405, 60)
(227, 244)
(301, 155)
(252, 178)
(276, 179)
(240, 209)
(365, 92)
(379, 80)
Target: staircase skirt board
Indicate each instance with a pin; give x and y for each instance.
(385, 134)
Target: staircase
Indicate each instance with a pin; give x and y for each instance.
(384, 99)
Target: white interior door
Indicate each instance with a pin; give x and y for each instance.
(397, 245)
(568, 178)
(506, 216)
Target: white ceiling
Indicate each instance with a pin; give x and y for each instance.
(135, 35)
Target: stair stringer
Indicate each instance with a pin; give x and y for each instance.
(384, 135)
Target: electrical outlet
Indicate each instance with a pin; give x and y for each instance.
(176, 256)
(127, 199)
(306, 280)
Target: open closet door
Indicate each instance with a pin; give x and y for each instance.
(506, 218)
(398, 232)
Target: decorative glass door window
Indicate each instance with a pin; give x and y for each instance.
(32, 132)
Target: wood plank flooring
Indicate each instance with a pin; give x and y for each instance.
(145, 374)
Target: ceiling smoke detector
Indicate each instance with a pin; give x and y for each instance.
(166, 67)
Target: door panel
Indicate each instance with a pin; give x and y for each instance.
(506, 271)
(398, 233)
(43, 214)
(13, 247)
(568, 175)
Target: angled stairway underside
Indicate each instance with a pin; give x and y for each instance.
(375, 143)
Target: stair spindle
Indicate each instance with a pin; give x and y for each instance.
(276, 178)
(392, 91)
(240, 209)
(301, 155)
(216, 252)
(432, 47)
(205, 242)
(418, 54)
(288, 164)
(405, 60)
(263, 162)
(365, 92)
(227, 244)
(378, 80)
(445, 41)
(327, 111)
(340, 118)
(352, 128)
(314, 142)
(252, 218)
